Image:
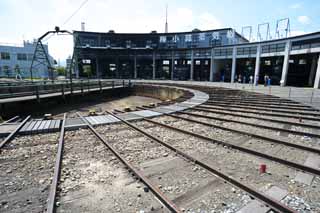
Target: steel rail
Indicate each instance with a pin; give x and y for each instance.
(10, 120)
(268, 139)
(253, 124)
(14, 132)
(217, 111)
(266, 108)
(263, 113)
(278, 101)
(273, 204)
(168, 203)
(51, 204)
(262, 102)
(269, 105)
(297, 166)
(253, 98)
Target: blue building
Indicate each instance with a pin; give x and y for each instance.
(15, 59)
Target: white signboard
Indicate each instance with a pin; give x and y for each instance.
(215, 36)
(230, 34)
(202, 36)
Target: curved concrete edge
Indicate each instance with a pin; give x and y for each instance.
(197, 99)
(45, 126)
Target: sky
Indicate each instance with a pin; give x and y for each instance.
(29, 19)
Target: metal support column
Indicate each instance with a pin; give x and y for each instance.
(212, 65)
(285, 66)
(234, 64)
(172, 65)
(313, 70)
(257, 66)
(135, 67)
(97, 68)
(317, 78)
(191, 66)
(154, 65)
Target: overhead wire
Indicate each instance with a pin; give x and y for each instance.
(69, 18)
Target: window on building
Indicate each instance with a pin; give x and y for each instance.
(265, 49)
(246, 51)
(166, 62)
(202, 36)
(302, 61)
(30, 57)
(163, 39)
(21, 57)
(267, 62)
(188, 38)
(86, 61)
(5, 56)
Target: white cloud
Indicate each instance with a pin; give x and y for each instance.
(207, 21)
(304, 19)
(297, 32)
(295, 6)
(30, 19)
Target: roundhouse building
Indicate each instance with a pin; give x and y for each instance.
(214, 55)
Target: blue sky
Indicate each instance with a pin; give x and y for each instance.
(28, 19)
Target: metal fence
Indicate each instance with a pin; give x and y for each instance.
(22, 89)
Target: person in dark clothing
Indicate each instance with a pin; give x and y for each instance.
(265, 80)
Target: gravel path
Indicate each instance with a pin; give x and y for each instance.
(93, 180)
(27, 165)
(243, 167)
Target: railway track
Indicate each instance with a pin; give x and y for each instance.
(177, 157)
(221, 111)
(26, 163)
(265, 108)
(196, 113)
(275, 205)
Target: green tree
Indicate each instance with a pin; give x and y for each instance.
(61, 70)
(6, 70)
(87, 70)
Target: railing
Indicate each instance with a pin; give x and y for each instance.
(22, 89)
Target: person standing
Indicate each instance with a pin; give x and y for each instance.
(265, 80)
(251, 79)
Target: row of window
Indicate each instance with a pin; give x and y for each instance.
(20, 56)
(305, 46)
(271, 48)
(247, 50)
(223, 52)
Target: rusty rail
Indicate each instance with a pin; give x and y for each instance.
(275, 205)
(168, 203)
(217, 111)
(14, 132)
(51, 204)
